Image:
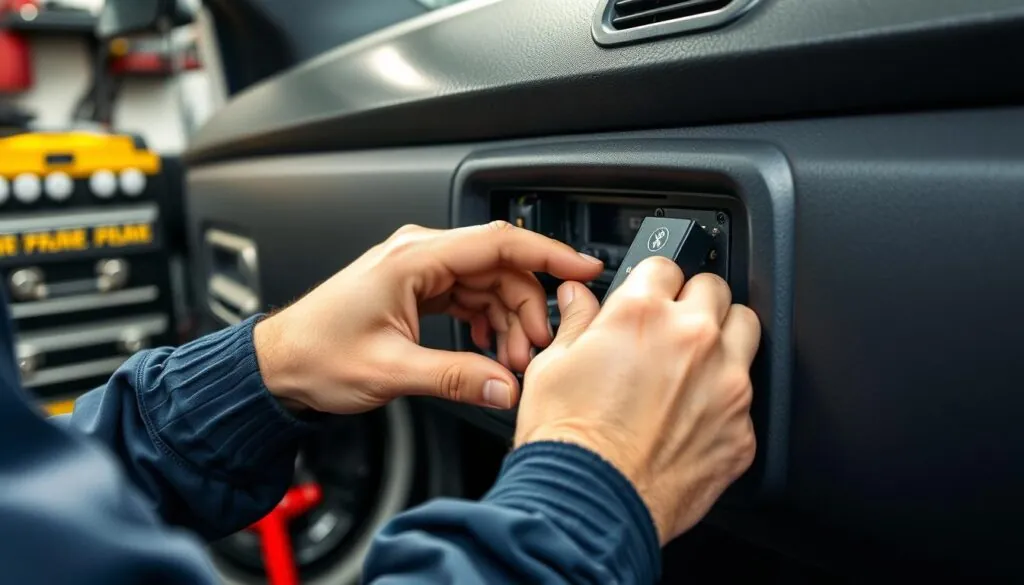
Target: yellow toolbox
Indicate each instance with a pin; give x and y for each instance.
(82, 256)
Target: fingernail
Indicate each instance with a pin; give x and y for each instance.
(498, 394)
(551, 330)
(566, 293)
(590, 258)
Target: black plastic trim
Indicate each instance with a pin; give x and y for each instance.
(53, 22)
(486, 70)
(310, 216)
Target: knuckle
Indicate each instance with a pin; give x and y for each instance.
(403, 243)
(747, 451)
(637, 308)
(659, 263)
(450, 382)
(750, 444)
(736, 382)
(408, 228)
(701, 330)
(746, 399)
(711, 279)
(748, 318)
(500, 225)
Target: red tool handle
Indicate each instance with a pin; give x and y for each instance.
(15, 53)
(276, 544)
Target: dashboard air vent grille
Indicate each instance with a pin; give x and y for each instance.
(633, 13)
(628, 21)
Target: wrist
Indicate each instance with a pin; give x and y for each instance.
(279, 363)
(594, 504)
(615, 449)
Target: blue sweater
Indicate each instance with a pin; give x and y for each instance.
(189, 438)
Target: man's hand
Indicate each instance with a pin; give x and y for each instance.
(352, 344)
(658, 384)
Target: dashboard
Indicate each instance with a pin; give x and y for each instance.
(860, 161)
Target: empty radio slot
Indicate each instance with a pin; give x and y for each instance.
(603, 226)
(740, 193)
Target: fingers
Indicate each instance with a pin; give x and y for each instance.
(519, 347)
(655, 277)
(478, 301)
(480, 330)
(707, 293)
(513, 343)
(741, 334)
(520, 293)
(460, 377)
(478, 249)
(578, 307)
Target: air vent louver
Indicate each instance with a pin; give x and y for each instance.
(623, 21)
(633, 13)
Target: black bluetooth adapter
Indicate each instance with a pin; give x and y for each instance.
(683, 241)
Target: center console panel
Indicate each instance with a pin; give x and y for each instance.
(594, 195)
(888, 411)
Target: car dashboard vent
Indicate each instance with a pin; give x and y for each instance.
(633, 13)
(622, 21)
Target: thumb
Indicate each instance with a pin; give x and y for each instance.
(578, 307)
(460, 377)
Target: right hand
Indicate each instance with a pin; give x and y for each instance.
(657, 383)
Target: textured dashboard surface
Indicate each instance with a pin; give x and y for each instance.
(311, 216)
(491, 69)
(905, 442)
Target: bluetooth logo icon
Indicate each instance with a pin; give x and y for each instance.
(658, 239)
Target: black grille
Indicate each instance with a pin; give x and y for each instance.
(634, 13)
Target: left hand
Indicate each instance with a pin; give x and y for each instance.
(352, 344)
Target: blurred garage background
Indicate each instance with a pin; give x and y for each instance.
(95, 261)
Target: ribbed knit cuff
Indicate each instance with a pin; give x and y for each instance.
(206, 401)
(592, 501)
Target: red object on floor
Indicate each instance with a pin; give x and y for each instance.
(149, 63)
(140, 63)
(278, 555)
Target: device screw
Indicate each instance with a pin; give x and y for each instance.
(720, 217)
(715, 232)
(659, 212)
(713, 255)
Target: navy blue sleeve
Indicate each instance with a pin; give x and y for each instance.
(188, 436)
(193, 438)
(196, 431)
(558, 514)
